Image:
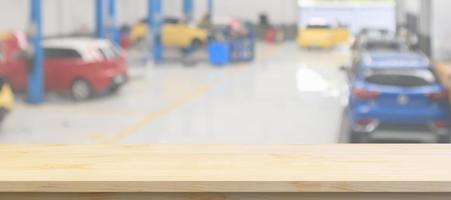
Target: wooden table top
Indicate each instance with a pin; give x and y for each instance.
(225, 168)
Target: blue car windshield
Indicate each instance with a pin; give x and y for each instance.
(384, 46)
(400, 77)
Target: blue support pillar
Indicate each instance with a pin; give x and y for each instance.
(36, 73)
(113, 32)
(100, 19)
(210, 7)
(188, 8)
(155, 21)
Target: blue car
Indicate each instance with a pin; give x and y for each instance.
(393, 91)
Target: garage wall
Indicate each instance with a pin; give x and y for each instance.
(441, 34)
(355, 17)
(130, 11)
(60, 16)
(412, 6)
(280, 11)
(66, 16)
(406, 7)
(401, 12)
(416, 15)
(432, 24)
(10, 18)
(74, 16)
(408, 12)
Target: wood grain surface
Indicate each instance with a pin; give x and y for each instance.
(225, 196)
(443, 71)
(224, 168)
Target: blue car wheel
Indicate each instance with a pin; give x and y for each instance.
(359, 137)
(444, 139)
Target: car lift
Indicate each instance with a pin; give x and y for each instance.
(155, 10)
(104, 29)
(210, 7)
(36, 77)
(188, 9)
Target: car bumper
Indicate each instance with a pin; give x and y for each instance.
(316, 43)
(108, 81)
(401, 122)
(402, 116)
(405, 132)
(118, 81)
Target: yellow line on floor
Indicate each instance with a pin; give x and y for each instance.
(153, 116)
(172, 107)
(78, 109)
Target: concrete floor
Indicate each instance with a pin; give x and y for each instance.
(287, 96)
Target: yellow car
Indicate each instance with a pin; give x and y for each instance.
(174, 33)
(323, 36)
(6, 99)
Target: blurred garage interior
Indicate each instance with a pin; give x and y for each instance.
(268, 89)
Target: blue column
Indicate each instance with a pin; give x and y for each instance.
(210, 7)
(113, 32)
(188, 8)
(36, 74)
(155, 22)
(100, 19)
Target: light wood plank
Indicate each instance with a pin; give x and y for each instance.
(226, 196)
(223, 168)
(443, 71)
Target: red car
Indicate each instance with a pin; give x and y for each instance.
(81, 66)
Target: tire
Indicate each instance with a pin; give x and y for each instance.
(358, 137)
(115, 90)
(353, 137)
(81, 90)
(3, 114)
(196, 44)
(444, 139)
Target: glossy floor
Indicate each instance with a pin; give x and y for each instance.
(287, 96)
